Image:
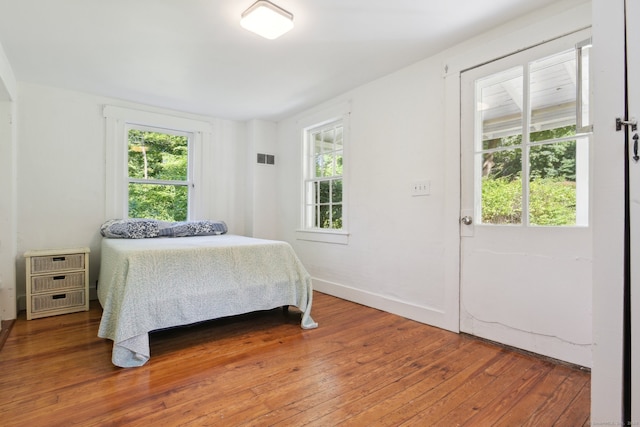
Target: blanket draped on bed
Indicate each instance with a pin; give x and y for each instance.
(150, 284)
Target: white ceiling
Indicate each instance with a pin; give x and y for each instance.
(193, 56)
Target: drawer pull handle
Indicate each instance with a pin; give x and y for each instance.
(59, 277)
(59, 258)
(59, 296)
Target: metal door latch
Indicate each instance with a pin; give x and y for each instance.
(633, 123)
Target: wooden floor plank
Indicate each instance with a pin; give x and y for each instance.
(360, 367)
(542, 406)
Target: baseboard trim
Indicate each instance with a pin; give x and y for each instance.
(423, 314)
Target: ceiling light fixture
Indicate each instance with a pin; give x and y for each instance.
(266, 19)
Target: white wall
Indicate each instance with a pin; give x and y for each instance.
(402, 254)
(61, 172)
(261, 195)
(397, 247)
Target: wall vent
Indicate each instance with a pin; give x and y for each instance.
(266, 159)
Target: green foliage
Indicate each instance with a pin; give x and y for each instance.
(162, 202)
(501, 201)
(552, 186)
(552, 201)
(158, 156)
(330, 193)
(554, 160)
(154, 155)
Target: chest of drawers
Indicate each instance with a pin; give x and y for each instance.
(57, 281)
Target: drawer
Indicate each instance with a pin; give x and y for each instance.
(56, 282)
(44, 264)
(55, 301)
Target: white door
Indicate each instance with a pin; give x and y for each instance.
(633, 73)
(525, 235)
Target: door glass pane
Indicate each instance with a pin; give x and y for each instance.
(501, 192)
(499, 101)
(552, 184)
(585, 55)
(553, 92)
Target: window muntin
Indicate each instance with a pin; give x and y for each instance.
(158, 174)
(323, 185)
(546, 97)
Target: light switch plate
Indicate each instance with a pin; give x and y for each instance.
(420, 188)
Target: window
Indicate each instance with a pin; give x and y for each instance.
(159, 178)
(532, 142)
(154, 165)
(323, 185)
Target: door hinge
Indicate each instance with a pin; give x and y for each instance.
(633, 123)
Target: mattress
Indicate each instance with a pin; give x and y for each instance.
(150, 284)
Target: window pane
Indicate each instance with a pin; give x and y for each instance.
(325, 216)
(154, 155)
(317, 144)
(338, 166)
(329, 165)
(339, 138)
(336, 215)
(499, 107)
(552, 186)
(324, 195)
(162, 202)
(320, 166)
(501, 187)
(553, 92)
(336, 191)
(328, 137)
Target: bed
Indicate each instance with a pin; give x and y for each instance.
(147, 284)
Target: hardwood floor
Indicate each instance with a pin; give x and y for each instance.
(360, 367)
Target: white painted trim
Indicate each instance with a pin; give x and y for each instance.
(423, 314)
(118, 120)
(340, 238)
(607, 59)
(338, 112)
(147, 118)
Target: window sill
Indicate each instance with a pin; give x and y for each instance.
(324, 236)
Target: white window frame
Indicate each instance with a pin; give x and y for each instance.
(584, 130)
(118, 122)
(336, 114)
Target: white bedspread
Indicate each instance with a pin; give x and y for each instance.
(150, 284)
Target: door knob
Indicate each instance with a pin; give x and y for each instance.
(466, 220)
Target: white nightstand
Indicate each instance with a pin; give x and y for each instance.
(57, 281)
